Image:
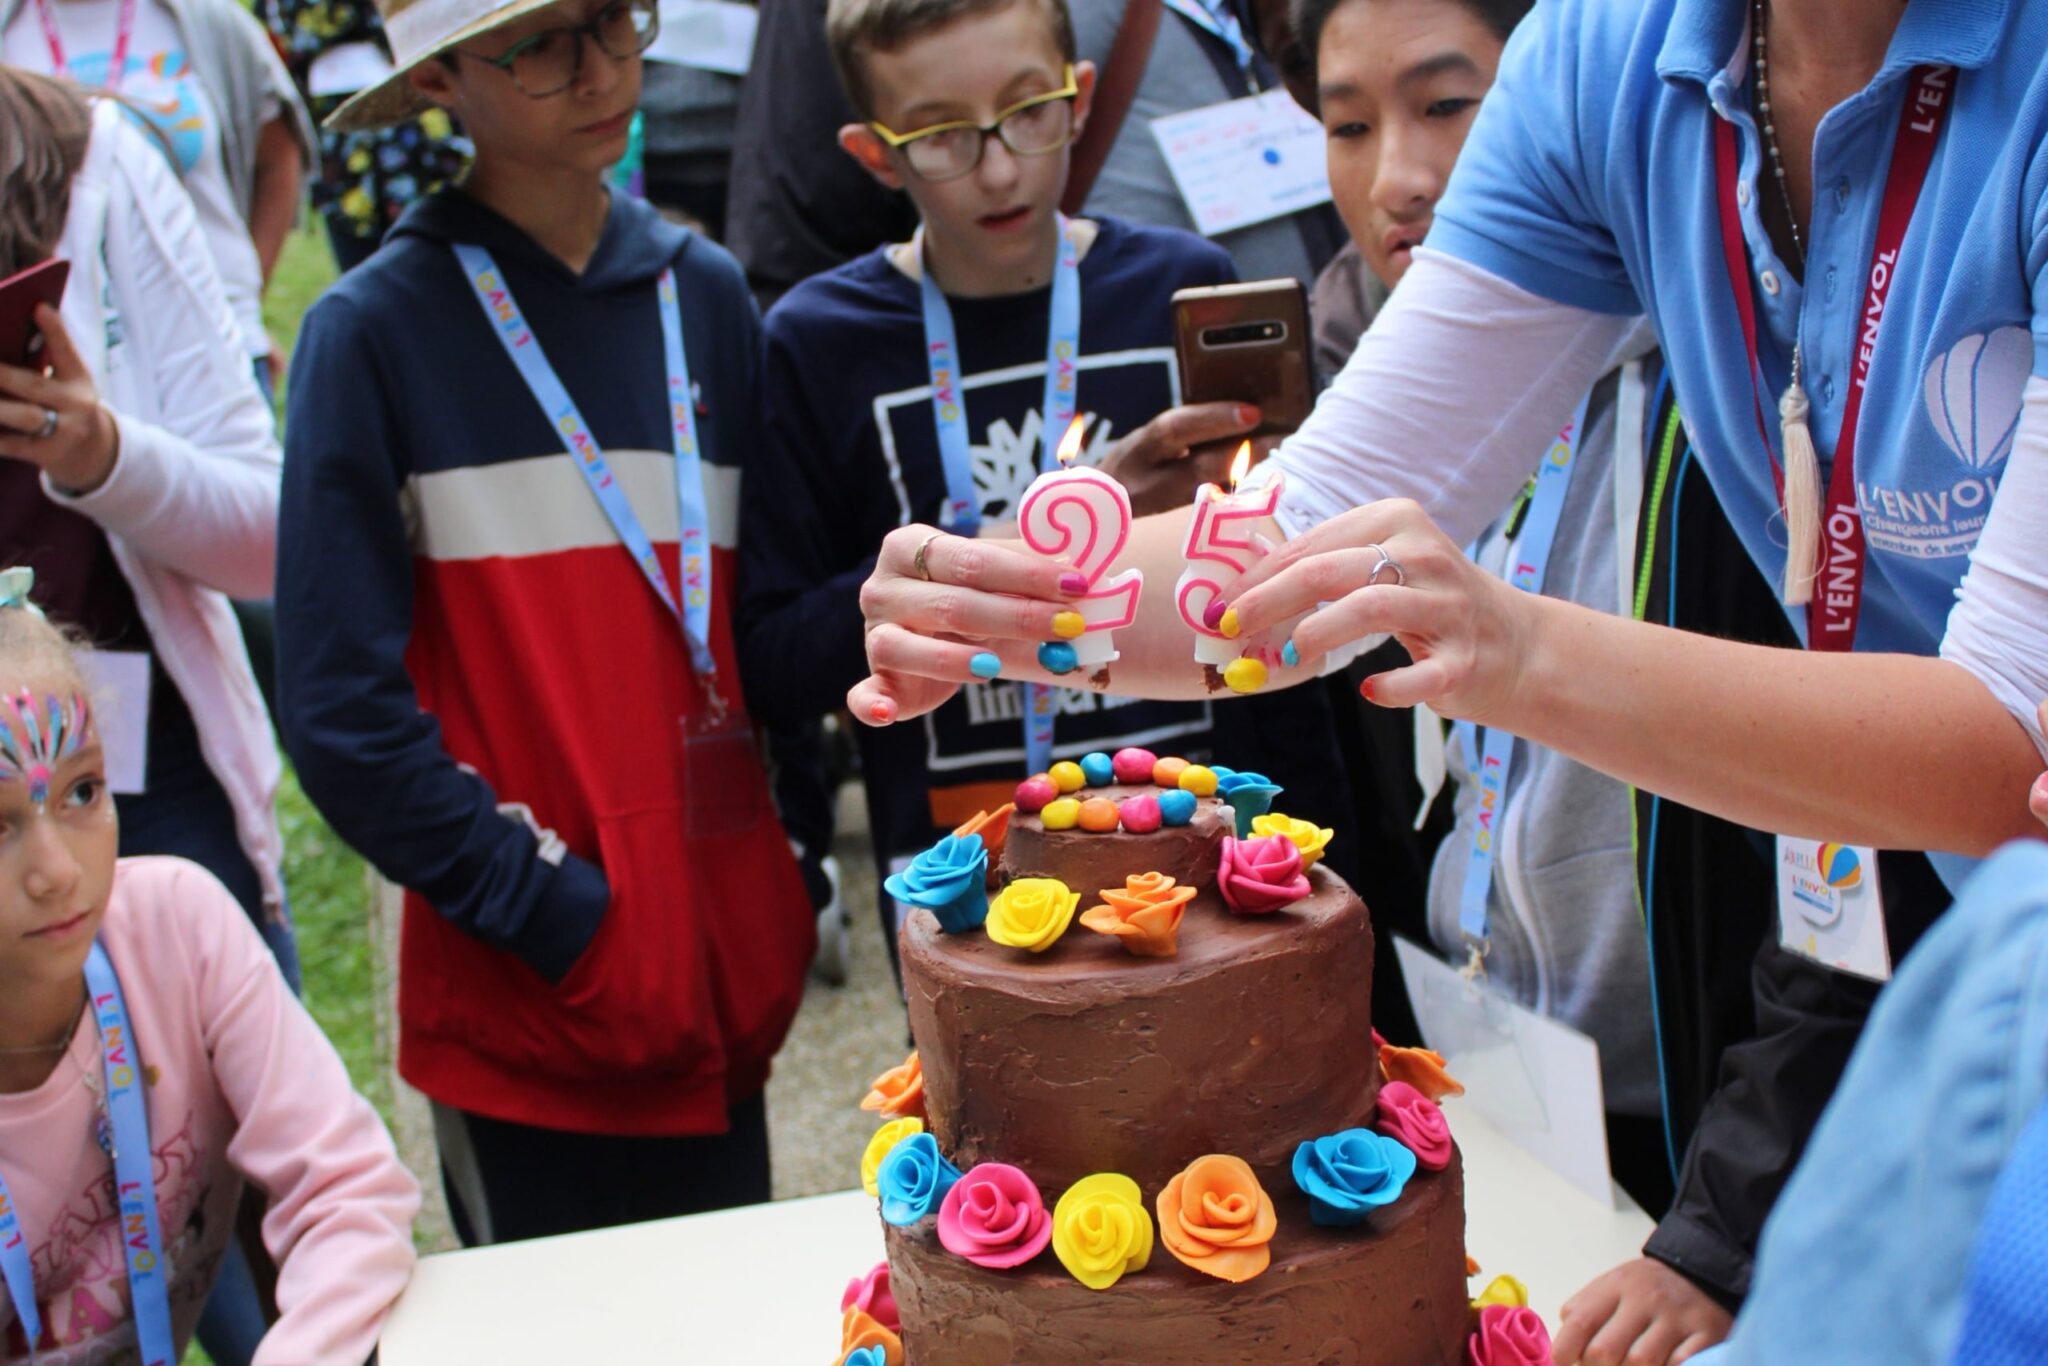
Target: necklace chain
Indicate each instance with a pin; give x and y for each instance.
(1763, 109)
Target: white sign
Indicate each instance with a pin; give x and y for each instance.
(1535, 1080)
(711, 35)
(1245, 161)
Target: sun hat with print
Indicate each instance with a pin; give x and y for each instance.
(418, 31)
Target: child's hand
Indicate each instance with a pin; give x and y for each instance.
(1162, 463)
(1642, 1313)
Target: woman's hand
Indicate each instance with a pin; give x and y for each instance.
(1386, 567)
(1642, 1313)
(924, 628)
(1162, 463)
(54, 420)
(2037, 799)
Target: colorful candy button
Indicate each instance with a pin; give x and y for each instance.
(1098, 815)
(1067, 776)
(1140, 815)
(985, 665)
(1063, 814)
(1198, 780)
(1069, 625)
(1097, 769)
(1133, 765)
(1177, 807)
(1058, 657)
(1036, 793)
(1245, 675)
(1166, 772)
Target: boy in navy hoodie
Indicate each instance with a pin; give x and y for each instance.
(971, 107)
(506, 552)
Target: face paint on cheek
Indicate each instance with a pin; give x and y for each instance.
(32, 742)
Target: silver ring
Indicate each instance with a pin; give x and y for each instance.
(1386, 562)
(917, 561)
(49, 427)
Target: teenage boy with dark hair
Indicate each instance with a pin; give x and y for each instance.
(970, 106)
(506, 554)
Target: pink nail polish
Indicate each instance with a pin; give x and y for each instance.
(1213, 613)
(1073, 584)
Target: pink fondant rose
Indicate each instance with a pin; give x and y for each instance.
(1261, 875)
(871, 1295)
(994, 1217)
(1509, 1336)
(1413, 1119)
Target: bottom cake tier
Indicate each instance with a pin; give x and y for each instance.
(1390, 1293)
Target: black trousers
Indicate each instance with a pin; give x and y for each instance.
(535, 1183)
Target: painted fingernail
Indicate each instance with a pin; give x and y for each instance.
(1247, 414)
(985, 665)
(1073, 584)
(880, 712)
(1365, 690)
(1068, 625)
(1227, 624)
(1213, 613)
(1288, 654)
(1058, 657)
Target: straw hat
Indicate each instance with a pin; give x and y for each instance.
(418, 31)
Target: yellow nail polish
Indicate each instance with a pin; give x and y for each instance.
(1227, 624)
(1068, 625)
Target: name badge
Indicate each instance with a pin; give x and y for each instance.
(1830, 908)
(1244, 161)
(119, 682)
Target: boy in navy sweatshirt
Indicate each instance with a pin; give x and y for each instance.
(506, 553)
(971, 107)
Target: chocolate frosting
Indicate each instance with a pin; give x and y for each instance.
(1087, 862)
(1391, 1293)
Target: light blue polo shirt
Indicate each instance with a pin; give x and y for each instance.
(1589, 179)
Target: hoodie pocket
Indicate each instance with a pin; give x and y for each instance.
(725, 783)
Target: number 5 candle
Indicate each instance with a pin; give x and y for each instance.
(1221, 545)
(1082, 517)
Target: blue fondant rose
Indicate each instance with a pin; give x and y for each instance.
(914, 1179)
(868, 1356)
(950, 880)
(1347, 1176)
(1250, 795)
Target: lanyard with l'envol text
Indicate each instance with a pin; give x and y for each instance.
(692, 608)
(1838, 594)
(1528, 564)
(117, 62)
(142, 1241)
(962, 513)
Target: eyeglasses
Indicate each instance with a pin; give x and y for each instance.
(547, 63)
(1030, 128)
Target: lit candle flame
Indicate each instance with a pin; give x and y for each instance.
(1070, 444)
(1239, 465)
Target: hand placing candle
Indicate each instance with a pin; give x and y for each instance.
(1221, 545)
(1082, 517)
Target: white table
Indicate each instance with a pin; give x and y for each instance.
(762, 1284)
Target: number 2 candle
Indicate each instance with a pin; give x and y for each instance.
(1082, 517)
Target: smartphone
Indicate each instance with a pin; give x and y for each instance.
(21, 341)
(1247, 343)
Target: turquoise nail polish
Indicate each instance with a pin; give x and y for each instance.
(1289, 655)
(1058, 657)
(985, 665)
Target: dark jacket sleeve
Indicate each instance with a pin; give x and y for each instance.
(801, 638)
(366, 753)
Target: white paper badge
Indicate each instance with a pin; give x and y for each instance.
(1535, 1080)
(119, 687)
(1830, 908)
(1244, 161)
(711, 35)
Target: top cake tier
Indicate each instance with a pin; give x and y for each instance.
(1087, 861)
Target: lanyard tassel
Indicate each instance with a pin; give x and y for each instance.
(1802, 494)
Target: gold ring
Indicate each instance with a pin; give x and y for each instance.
(917, 561)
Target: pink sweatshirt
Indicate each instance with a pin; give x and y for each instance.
(242, 1085)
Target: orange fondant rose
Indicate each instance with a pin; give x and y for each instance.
(1420, 1068)
(899, 1092)
(994, 829)
(860, 1332)
(1144, 915)
(1218, 1219)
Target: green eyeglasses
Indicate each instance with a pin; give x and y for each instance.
(547, 63)
(1030, 128)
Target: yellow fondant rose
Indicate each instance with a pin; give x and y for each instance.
(886, 1137)
(1307, 835)
(1505, 1291)
(1100, 1230)
(1031, 913)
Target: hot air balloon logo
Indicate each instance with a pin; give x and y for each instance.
(1839, 867)
(1974, 391)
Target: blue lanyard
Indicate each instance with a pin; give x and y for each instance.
(962, 513)
(134, 1180)
(1214, 18)
(1527, 563)
(693, 610)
